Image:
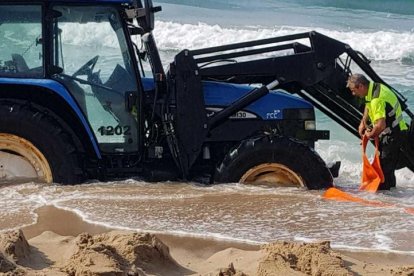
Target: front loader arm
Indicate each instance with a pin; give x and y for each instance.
(311, 71)
(314, 70)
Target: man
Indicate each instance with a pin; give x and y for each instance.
(383, 111)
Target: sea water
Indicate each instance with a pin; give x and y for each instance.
(382, 30)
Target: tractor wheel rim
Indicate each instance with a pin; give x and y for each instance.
(20, 159)
(272, 174)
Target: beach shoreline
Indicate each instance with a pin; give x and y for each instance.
(200, 256)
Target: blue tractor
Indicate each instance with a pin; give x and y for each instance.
(230, 113)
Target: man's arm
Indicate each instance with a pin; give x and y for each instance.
(363, 125)
(379, 127)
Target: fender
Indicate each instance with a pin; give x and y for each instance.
(59, 89)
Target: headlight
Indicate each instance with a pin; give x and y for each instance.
(310, 125)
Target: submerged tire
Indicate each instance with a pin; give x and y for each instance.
(30, 135)
(274, 161)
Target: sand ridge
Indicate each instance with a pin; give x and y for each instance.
(141, 254)
(112, 253)
(306, 258)
(117, 253)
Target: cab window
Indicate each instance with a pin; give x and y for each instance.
(92, 59)
(21, 51)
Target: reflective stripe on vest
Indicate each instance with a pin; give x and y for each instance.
(394, 124)
(376, 90)
(394, 110)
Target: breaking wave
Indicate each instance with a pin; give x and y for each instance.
(395, 6)
(172, 37)
(378, 45)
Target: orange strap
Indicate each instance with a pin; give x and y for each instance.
(372, 175)
(409, 210)
(336, 194)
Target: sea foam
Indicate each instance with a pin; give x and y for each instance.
(172, 36)
(379, 45)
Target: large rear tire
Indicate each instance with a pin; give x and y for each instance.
(274, 161)
(31, 137)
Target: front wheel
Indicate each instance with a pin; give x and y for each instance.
(20, 160)
(274, 161)
(33, 146)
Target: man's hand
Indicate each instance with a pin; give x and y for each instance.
(378, 127)
(369, 134)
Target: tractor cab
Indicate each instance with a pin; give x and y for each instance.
(87, 49)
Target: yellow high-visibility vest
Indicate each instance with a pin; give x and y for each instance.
(381, 102)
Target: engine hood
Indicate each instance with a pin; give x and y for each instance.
(218, 95)
(269, 107)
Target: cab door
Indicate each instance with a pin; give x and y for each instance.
(92, 59)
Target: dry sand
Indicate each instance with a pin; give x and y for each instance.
(62, 244)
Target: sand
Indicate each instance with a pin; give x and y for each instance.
(61, 243)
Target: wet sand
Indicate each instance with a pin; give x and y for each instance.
(199, 256)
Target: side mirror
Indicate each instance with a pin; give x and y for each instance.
(149, 16)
